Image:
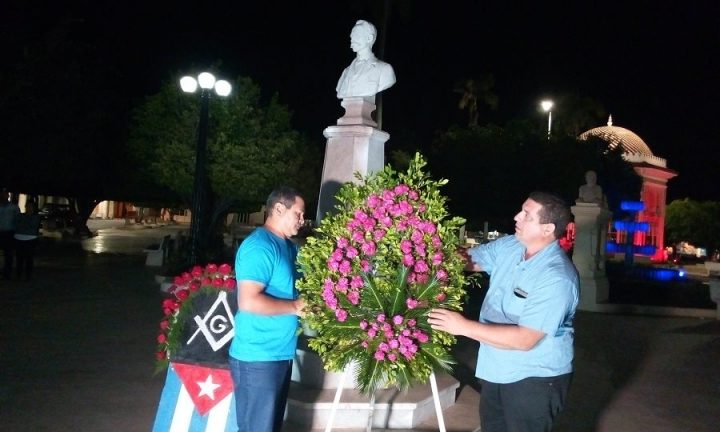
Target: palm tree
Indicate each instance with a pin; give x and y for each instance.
(472, 91)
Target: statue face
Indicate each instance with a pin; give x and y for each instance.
(590, 178)
(359, 39)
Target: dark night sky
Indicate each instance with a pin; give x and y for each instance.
(652, 65)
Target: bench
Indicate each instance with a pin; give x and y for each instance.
(157, 254)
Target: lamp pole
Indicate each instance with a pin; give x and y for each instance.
(547, 107)
(198, 223)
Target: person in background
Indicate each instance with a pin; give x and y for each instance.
(27, 231)
(266, 323)
(525, 328)
(9, 212)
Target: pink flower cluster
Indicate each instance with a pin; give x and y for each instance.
(392, 339)
(399, 207)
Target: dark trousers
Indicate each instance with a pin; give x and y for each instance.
(25, 254)
(528, 405)
(6, 244)
(261, 392)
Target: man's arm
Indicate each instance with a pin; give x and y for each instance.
(252, 298)
(498, 335)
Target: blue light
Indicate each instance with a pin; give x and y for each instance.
(632, 206)
(632, 226)
(681, 273)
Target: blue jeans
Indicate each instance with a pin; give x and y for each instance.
(261, 392)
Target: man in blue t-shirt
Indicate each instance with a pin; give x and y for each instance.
(266, 322)
(526, 321)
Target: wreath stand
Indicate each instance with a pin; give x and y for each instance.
(341, 385)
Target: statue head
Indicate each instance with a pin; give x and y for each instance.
(591, 178)
(362, 36)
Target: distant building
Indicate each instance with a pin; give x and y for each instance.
(655, 175)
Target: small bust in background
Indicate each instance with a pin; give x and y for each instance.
(591, 192)
(366, 76)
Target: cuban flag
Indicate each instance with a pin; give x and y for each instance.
(196, 399)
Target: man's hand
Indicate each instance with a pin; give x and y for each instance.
(447, 321)
(299, 307)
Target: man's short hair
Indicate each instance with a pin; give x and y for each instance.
(367, 28)
(284, 195)
(554, 210)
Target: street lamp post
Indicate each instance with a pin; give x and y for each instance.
(547, 107)
(206, 82)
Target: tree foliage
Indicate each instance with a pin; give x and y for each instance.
(492, 169)
(693, 221)
(251, 149)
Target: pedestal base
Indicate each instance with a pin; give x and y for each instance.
(392, 409)
(594, 291)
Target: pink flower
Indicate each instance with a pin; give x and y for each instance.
(422, 278)
(436, 242)
(337, 255)
(408, 260)
(405, 207)
(372, 333)
(411, 303)
(381, 318)
(333, 265)
(378, 234)
(392, 357)
(421, 336)
(413, 195)
(365, 265)
(354, 297)
(394, 344)
(211, 268)
(411, 322)
(379, 355)
(358, 236)
(364, 344)
(441, 274)
(329, 284)
(398, 319)
(406, 246)
(369, 248)
(412, 277)
(388, 195)
(351, 252)
(421, 267)
(341, 314)
(386, 221)
(401, 189)
(373, 201)
(363, 324)
(342, 284)
(420, 250)
(441, 297)
(345, 267)
(196, 271)
(342, 242)
(384, 347)
(437, 258)
(356, 282)
(416, 237)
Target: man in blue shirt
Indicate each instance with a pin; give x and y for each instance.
(266, 322)
(525, 328)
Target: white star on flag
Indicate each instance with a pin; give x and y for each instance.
(207, 388)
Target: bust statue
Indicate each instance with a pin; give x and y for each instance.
(366, 75)
(591, 192)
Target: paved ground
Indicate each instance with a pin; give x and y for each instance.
(77, 342)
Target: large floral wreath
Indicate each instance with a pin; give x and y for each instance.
(178, 306)
(375, 269)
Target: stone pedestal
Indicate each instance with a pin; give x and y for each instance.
(591, 223)
(313, 390)
(353, 146)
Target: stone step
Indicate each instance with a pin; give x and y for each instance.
(393, 409)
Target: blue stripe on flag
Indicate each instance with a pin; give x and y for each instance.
(170, 418)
